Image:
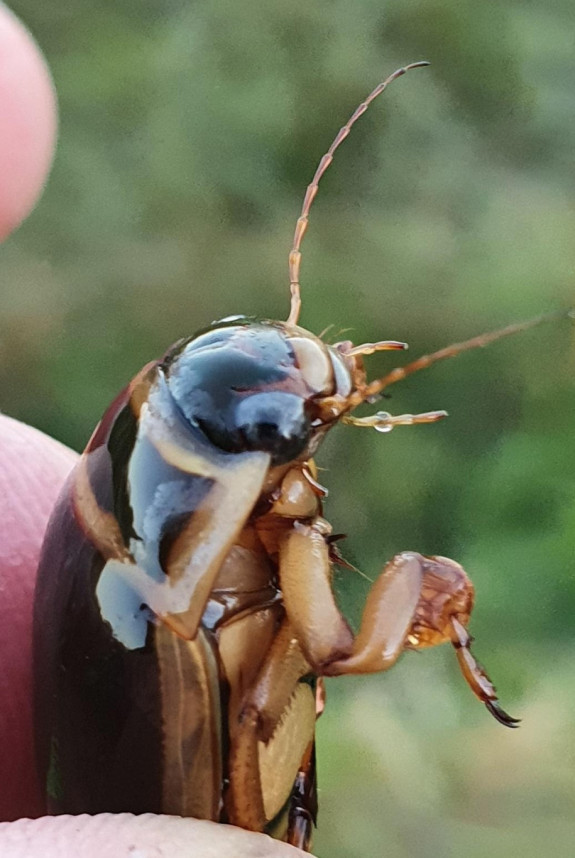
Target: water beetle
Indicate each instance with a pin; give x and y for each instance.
(184, 616)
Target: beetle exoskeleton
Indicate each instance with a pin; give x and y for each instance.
(184, 615)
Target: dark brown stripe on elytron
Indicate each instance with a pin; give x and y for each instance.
(191, 721)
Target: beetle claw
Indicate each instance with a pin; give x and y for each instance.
(501, 715)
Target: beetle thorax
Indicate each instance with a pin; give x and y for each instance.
(259, 386)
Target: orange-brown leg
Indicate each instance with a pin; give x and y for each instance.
(476, 676)
(268, 740)
(416, 602)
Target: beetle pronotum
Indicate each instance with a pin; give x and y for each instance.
(184, 616)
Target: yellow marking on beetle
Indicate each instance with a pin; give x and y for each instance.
(187, 460)
(281, 757)
(314, 363)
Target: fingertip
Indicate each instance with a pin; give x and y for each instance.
(126, 836)
(33, 468)
(29, 122)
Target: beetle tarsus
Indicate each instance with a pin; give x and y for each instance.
(501, 715)
(384, 422)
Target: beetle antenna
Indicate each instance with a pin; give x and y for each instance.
(399, 373)
(312, 189)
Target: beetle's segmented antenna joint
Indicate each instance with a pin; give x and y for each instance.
(312, 189)
(375, 388)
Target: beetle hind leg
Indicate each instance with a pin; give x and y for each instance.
(297, 819)
(303, 803)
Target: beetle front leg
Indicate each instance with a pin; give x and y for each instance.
(324, 635)
(416, 602)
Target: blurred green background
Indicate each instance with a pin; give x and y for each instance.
(189, 131)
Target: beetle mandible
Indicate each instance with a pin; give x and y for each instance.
(184, 615)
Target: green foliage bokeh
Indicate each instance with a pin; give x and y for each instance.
(189, 132)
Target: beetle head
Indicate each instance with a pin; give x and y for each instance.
(259, 386)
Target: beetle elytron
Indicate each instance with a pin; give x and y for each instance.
(184, 613)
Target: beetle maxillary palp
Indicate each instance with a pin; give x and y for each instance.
(374, 388)
(384, 422)
(371, 348)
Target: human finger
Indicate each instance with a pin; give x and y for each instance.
(33, 468)
(127, 836)
(28, 122)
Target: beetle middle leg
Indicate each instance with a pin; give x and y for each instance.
(415, 602)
